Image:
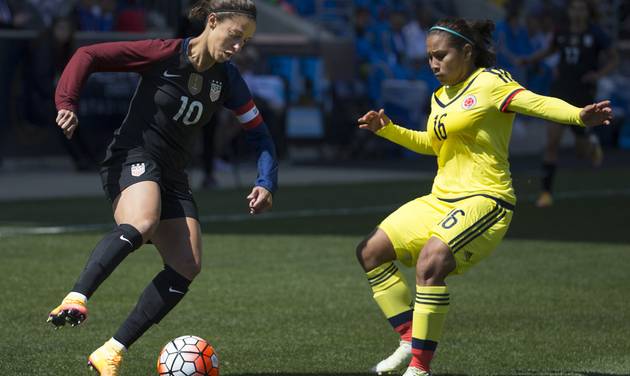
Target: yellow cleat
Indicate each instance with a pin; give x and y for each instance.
(545, 200)
(106, 359)
(72, 310)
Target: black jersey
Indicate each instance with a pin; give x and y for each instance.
(579, 54)
(171, 103)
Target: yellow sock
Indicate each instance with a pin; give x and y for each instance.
(393, 297)
(432, 303)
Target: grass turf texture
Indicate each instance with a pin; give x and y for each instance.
(286, 297)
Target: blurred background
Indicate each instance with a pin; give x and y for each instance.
(314, 66)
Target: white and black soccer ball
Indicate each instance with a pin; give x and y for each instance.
(188, 356)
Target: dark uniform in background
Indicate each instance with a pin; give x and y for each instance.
(579, 55)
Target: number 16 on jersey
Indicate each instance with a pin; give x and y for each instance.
(439, 128)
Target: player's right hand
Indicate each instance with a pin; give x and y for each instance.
(68, 122)
(373, 120)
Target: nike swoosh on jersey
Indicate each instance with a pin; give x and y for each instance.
(122, 237)
(170, 75)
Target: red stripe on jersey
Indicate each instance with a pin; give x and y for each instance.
(244, 108)
(254, 123)
(507, 101)
(248, 115)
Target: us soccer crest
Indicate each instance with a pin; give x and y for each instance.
(195, 83)
(215, 90)
(137, 169)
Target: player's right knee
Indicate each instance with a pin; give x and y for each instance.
(361, 252)
(369, 255)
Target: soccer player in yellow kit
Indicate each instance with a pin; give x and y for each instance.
(472, 201)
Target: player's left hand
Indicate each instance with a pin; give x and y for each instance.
(260, 200)
(599, 113)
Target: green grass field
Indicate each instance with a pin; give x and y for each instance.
(283, 294)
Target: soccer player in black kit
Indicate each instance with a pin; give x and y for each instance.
(183, 82)
(581, 45)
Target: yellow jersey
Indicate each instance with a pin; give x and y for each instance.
(469, 131)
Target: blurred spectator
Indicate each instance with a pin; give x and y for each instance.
(624, 20)
(47, 10)
(540, 27)
(269, 93)
(19, 15)
(286, 5)
(364, 40)
(512, 42)
(305, 8)
(51, 53)
(441, 8)
(15, 14)
(131, 17)
(6, 16)
(349, 101)
(415, 35)
(96, 15)
(395, 43)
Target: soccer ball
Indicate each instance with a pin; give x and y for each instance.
(188, 356)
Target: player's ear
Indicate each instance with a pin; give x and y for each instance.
(211, 21)
(468, 51)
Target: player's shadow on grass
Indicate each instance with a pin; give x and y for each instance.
(561, 373)
(515, 373)
(326, 374)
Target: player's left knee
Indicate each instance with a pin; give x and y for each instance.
(434, 264)
(191, 269)
(188, 268)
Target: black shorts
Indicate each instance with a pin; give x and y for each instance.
(176, 196)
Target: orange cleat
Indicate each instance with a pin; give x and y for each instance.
(72, 310)
(545, 200)
(106, 359)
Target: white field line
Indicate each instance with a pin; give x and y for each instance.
(304, 213)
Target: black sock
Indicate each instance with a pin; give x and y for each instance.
(106, 256)
(158, 299)
(549, 172)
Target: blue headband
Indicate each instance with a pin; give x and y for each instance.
(451, 31)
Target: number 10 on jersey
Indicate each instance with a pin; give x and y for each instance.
(195, 108)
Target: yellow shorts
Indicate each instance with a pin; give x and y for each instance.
(472, 227)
